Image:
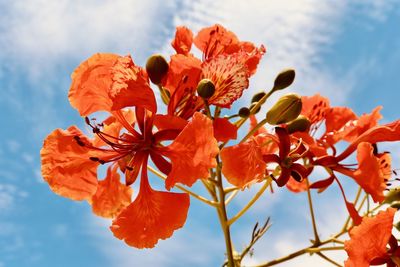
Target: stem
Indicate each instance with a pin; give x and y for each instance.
(223, 218)
(328, 259)
(241, 121)
(231, 197)
(310, 204)
(202, 199)
(251, 202)
(164, 96)
(299, 253)
(314, 250)
(258, 105)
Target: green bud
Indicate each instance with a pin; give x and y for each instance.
(244, 112)
(392, 196)
(285, 110)
(284, 79)
(257, 97)
(206, 88)
(157, 68)
(252, 105)
(301, 124)
(395, 205)
(397, 226)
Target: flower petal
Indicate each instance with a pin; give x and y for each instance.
(107, 82)
(369, 174)
(192, 153)
(91, 82)
(362, 124)
(111, 196)
(215, 40)
(369, 239)
(295, 186)
(243, 163)
(224, 130)
(164, 122)
(130, 86)
(152, 216)
(230, 76)
(183, 40)
(66, 166)
(314, 107)
(184, 72)
(381, 133)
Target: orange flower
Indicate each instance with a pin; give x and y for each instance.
(108, 82)
(227, 62)
(369, 240)
(70, 159)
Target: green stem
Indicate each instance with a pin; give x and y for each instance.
(251, 202)
(202, 199)
(223, 217)
(310, 204)
(299, 253)
(328, 259)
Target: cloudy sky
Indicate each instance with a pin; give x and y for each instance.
(346, 50)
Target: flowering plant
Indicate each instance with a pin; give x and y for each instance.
(196, 141)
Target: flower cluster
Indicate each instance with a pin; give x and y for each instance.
(189, 142)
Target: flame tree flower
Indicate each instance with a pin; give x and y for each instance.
(70, 159)
(194, 140)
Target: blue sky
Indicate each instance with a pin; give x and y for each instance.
(346, 50)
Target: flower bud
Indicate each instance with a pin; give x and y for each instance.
(301, 124)
(206, 88)
(284, 79)
(157, 68)
(285, 110)
(252, 105)
(244, 112)
(257, 97)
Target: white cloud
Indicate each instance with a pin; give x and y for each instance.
(7, 196)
